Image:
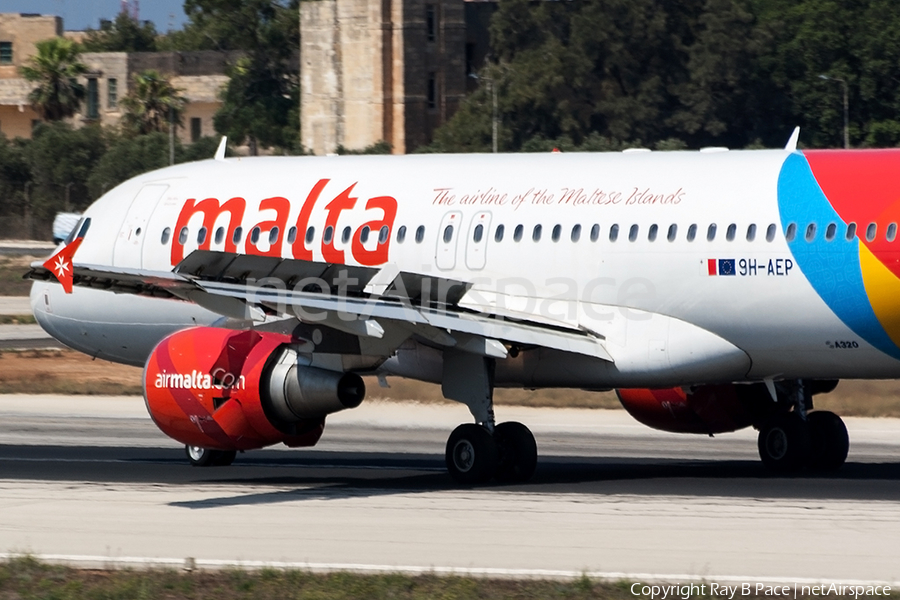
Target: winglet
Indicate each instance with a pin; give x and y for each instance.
(61, 264)
(220, 151)
(791, 146)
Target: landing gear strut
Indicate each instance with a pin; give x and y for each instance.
(204, 457)
(788, 441)
(478, 452)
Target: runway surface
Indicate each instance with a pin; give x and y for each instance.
(92, 477)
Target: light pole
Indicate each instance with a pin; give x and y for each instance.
(494, 119)
(846, 107)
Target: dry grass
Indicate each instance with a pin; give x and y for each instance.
(17, 320)
(65, 372)
(68, 372)
(11, 270)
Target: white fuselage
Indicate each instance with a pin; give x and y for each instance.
(668, 314)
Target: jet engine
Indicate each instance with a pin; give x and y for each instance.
(238, 390)
(702, 409)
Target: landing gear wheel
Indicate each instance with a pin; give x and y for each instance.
(784, 443)
(828, 439)
(518, 452)
(472, 455)
(204, 457)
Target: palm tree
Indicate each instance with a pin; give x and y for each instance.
(152, 104)
(55, 68)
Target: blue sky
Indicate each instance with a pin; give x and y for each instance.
(80, 14)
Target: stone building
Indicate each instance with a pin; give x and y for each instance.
(385, 70)
(200, 76)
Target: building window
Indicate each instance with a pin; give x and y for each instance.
(432, 91)
(6, 53)
(93, 108)
(430, 23)
(112, 93)
(196, 131)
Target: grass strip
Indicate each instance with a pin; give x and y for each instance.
(27, 578)
(17, 320)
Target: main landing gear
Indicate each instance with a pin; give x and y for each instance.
(478, 452)
(789, 441)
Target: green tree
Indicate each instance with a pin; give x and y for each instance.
(152, 104)
(261, 101)
(55, 69)
(61, 160)
(128, 157)
(124, 34)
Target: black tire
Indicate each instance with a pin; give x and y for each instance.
(784, 443)
(518, 452)
(204, 457)
(471, 455)
(225, 457)
(828, 439)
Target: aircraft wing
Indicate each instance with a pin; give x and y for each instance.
(363, 301)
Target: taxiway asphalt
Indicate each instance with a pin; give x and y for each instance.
(92, 479)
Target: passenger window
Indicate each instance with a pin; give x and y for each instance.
(595, 233)
(420, 234)
(384, 234)
(851, 231)
(613, 233)
(517, 234)
(830, 231)
(401, 234)
(498, 233)
(182, 236)
(536, 233)
(238, 234)
(633, 233)
(751, 233)
(201, 235)
(326, 238)
(165, 236)
(557, 231)
(711, 232)
(479, 233)
(892, 232)
(345, 235)
(254, 235)
(364, 234)
(311, 233)
(771, 230)
(791, 232)
(220, 235)
(810, 232)
(651, 235)
(273, 235)
(692, 232)
(731, 232)
(576, 233)
(871, 230)
(448, 234)
(292, 235)
(673, 232)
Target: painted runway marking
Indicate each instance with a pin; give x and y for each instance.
(362, 568)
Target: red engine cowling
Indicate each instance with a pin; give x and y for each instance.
(703, 409)
(238, 390)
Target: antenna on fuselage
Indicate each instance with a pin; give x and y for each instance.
(791, 145)
(220, 151)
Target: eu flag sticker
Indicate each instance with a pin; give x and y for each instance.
(726, 266)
